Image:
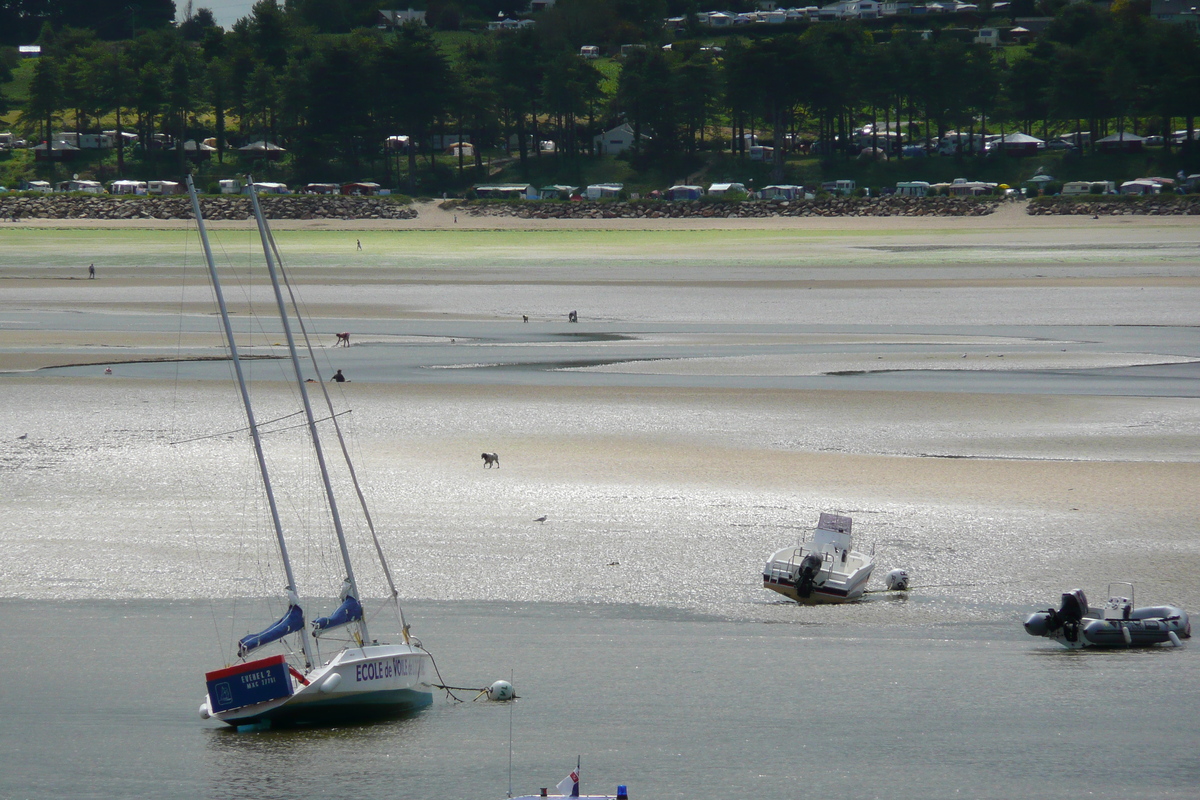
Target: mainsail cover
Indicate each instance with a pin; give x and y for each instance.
(349, 611)
(290, 622)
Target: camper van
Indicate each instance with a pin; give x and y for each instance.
(9, 142)
(843, 188)
(1089, 187)
(87, 141)
(163, 187)
(912, 189)
(955, 143)
(601, 191)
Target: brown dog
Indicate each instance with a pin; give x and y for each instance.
(491, 460)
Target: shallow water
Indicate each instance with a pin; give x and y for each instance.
(674, 705)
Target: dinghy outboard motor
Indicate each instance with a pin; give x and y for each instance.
(809, 568)
(1074, 608)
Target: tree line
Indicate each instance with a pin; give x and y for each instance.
(334, 99)
(21, 21)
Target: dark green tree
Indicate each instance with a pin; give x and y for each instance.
(649, 110)
(414, 87)
(570, 88)
(519, 68)
(45, 100)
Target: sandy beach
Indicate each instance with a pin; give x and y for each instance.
(955, 380)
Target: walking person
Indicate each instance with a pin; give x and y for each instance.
(91, 272)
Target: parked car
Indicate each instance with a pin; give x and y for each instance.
(1153, 141)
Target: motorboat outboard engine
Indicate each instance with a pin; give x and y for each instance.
(1074, 608)
(809, 567)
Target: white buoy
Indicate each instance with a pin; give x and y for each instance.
(1126, 635)
(331, 683)
(1174, 639)
(897, 581)
(500, 690)
(204, 710)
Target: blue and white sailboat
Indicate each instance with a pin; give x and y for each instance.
(364, 679)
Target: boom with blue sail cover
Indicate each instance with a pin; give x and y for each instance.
(349, 611)
(290, 622)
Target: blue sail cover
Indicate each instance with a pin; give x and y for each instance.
(290, 622)
(349, 611)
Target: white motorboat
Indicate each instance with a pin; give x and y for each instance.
(824, 569)
(365, 678)
(1117, 624)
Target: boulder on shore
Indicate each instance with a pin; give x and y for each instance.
(892, 206)
(231, 207)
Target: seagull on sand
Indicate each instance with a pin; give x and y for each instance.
(542, 518)
(26, 436)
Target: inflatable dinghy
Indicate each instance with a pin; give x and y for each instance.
(1118, 624)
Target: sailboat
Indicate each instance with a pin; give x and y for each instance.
(365, 678)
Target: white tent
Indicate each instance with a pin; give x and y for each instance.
(718, 189)
(127, 187)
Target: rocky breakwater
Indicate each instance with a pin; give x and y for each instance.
(695, 209)
(1110, 206)
(232, 207)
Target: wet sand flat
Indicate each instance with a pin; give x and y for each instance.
(725, 381)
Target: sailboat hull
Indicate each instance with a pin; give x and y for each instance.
(372, 682)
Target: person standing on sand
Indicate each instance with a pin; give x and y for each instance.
(91, 272)
(359, 243)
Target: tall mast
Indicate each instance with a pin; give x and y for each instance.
(254, 435)
(337, 428)
(264, 234)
